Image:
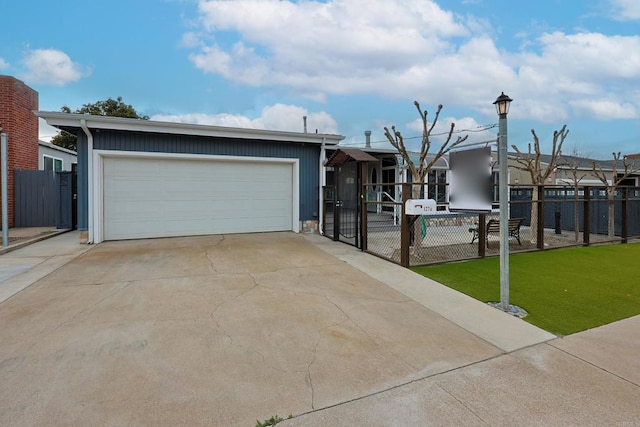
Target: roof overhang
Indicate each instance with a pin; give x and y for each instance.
(56, 147)
(73, 121)
(345, 155)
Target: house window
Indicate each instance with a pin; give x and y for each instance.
(52, 164)
(437, 181)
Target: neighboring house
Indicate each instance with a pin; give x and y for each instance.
(55, 158)
(143, 178)
(563, 175)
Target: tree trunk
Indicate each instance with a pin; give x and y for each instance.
(611, 221)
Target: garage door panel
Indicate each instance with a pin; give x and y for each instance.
(176, 197)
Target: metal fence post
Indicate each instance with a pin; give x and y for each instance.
(5, 187)
(586, 221)
(540, 219)
(404, 227)
(363, 217)
(482, 235)
(623, 211)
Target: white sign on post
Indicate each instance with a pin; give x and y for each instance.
(420, 207)
(470, 188)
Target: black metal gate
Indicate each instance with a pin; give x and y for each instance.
(347, 212)
(342, 205)
(343, 202)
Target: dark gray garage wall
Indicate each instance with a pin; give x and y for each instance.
(308, 154)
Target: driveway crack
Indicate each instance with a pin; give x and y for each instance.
(213, 313)
(351, 320)
(210, 255)
(242, 293)
(224, 331)
(81, 312)
(461, 402)
(309, 378)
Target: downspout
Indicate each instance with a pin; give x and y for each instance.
(83, 125)
(323, 182)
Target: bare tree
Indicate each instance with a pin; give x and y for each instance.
(420, 169)
(617, 176)
(531, 162)
(574, 165)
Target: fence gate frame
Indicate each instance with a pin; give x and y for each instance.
(353, 162)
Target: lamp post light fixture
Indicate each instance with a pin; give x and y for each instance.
(502, 108)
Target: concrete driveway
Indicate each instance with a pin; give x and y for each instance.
(227, 330)
(216, 330)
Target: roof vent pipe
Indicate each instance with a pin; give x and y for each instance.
(304, 120)
(367, 135)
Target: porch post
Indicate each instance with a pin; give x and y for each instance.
(364, 169)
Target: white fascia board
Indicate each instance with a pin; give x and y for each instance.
(135, 125)
(56, 147)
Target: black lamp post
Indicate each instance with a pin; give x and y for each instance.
(502, 108)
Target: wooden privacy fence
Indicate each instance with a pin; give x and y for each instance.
(43, 199)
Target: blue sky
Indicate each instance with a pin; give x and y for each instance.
(349, 65)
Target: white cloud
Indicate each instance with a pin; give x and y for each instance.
(51, 66)
(274, 117)
(573, 71)
(241, 64)
(3, 64)
(414, 49)
(626, 10)
(335, 46)
(606, 109)
(190, 40)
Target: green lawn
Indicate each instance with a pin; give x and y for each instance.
(564, 291)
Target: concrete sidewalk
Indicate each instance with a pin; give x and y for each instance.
(587, 379)
(37, 255)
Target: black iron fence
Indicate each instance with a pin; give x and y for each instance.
(543, 217)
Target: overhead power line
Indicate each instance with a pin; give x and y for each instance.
(479, 129)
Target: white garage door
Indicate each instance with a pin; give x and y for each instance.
(160, 197)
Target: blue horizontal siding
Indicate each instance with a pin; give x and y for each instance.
(308, 155)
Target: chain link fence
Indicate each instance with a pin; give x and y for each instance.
(541, 218)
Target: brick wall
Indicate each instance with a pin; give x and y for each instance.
(17, 103)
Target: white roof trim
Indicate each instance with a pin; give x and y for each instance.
(56, 147)
(118, 123)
